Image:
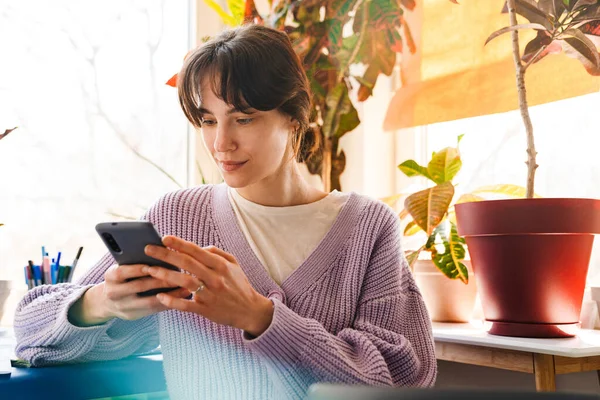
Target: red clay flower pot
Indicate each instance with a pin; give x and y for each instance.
(530, 258)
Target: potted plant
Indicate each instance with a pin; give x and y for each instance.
(443, 277)
(531, 255)
(377, 32)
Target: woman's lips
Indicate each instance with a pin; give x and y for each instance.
(231, 165)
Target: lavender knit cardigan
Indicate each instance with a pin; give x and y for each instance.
(351, 313)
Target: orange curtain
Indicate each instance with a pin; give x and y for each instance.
(453, 76)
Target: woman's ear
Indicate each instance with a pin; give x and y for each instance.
(295, 124)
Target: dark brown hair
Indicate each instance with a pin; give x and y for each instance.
(251, 67)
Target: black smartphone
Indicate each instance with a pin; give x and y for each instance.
(126, 242)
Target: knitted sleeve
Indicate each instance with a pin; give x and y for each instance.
(46, 336)
(390, 342)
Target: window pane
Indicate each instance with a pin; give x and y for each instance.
(85, 83)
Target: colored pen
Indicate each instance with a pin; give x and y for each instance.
(27, 279)
(67, 273)
(30, 274)
(46, 273)
(56, 268)
(74, 264)
(37, 275)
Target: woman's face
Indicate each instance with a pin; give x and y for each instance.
(248, 148)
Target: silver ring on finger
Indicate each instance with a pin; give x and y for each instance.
(200, 288)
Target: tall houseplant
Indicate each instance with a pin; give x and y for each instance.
(531, 255)
(376, 33)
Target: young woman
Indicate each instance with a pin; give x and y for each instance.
(284, 285)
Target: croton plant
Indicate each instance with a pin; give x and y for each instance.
(569, 26)
(374, 35)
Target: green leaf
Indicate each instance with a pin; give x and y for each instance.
(444, 165)
(385, 14)
(334, 35)
(450, 261)
(348, 122)
(411, 229)
(338, 103)
(237, 8)
(428, 207)
(459, 138)
(411, 168)
(226, 18)
(507, 29)
(347, 52)
(340, 8)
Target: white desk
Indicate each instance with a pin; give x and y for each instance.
(7, 346)
(470, 344)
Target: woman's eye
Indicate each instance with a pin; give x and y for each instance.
(208, 122)
(244, 121)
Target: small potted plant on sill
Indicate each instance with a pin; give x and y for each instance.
(531, 255)
(445, 271)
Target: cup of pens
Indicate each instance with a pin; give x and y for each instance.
(49, 271)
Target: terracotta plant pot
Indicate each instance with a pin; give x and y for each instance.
(530, 258)
(447, 300)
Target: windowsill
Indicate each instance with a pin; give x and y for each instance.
(585, 344)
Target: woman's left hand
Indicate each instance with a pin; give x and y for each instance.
(227, 298)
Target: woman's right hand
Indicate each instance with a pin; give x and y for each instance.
(117, 297)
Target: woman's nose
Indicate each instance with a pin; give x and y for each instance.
(223, 140)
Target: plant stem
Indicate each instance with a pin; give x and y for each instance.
(534, 58)
(520, 74)
(327, 163)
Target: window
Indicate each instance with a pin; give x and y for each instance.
(493, 151)
(85, 83)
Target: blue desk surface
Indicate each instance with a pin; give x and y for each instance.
(131, 375)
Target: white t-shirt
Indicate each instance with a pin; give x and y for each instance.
(283, 237)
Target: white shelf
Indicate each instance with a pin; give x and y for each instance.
(585, 344)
